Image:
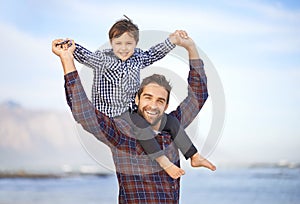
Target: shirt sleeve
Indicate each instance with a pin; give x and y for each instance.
(157, 52)
(197, 94)
(84, 112)
(88, 58)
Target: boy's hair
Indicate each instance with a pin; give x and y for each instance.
(156, 79)
(122, 26)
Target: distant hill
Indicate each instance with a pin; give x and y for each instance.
(39, 139)
(23, 129)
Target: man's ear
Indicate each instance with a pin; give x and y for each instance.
(166, 107)
(136, 99)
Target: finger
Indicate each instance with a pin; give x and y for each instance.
(55, 48)
(73, 44)
(177, 32)
(56, 41)
(65, 46)
(183, 34)
(66, 41)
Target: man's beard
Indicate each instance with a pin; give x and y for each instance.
(140, 112)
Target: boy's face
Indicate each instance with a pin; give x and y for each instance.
(123, 46)
(152, 104)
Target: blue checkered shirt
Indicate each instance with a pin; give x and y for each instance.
(141, 180)
(115, 81)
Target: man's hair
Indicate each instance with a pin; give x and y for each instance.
(122, 26)
(155, 79)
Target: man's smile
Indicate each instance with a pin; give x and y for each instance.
(153, 113)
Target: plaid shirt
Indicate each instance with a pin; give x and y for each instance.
(115, 81)
(140, 179)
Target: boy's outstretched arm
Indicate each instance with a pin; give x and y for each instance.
(87, 57)
(160, 50)
(157, 52)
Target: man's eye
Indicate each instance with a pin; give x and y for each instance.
(147, 98)
(161, 102)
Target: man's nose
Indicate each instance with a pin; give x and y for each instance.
(153, 104)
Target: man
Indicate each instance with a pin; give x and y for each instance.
(141, 180)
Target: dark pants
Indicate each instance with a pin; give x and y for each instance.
(181, 139)
(145, 135)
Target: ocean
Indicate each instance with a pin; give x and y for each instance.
(224, 186)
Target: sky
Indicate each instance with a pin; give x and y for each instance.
(253, 45)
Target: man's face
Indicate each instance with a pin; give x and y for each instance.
(152, 104)
(123, 46)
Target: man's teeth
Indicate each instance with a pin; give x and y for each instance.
(151, 113)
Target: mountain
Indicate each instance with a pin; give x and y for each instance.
(38, 139)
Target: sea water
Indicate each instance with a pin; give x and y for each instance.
(224, 186)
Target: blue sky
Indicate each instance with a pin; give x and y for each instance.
(254, 46)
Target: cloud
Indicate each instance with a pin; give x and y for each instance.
(30, 73)
(274, 10)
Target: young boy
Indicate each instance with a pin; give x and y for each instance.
(116, 81)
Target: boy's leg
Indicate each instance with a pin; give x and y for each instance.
(183, 142)
(179, 136)
(145, 136)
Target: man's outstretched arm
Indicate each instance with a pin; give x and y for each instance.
(197, 89)
(82, 109)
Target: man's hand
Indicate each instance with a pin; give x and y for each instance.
(181, 38)
(65, 53)
(177, 37)
(65, 50)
